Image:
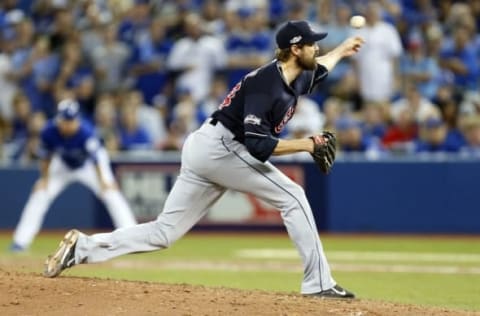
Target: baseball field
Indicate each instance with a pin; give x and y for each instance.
(250, 274)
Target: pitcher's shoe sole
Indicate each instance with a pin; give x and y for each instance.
(336, 292)
(64, 255)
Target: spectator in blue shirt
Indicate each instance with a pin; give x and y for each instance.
(416, 13)
(73, 67)
(420, 70)
(21, 114)
(135, 22)
(43, 14)
(2, 19)
(148, 60)
(471, 130)
(132, 135)
(36, 69)
(248, 45)
(374, 119)
(26, 148)
(351, 137)
(76, 75)
(435, 137)
(459, 57)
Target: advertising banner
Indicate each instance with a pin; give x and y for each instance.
(146, 187)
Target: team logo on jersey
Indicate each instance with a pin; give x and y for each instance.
(228, 99)
(252, 119)
(296, 39)
(285, 119)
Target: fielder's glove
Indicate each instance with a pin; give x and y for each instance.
(323, 154)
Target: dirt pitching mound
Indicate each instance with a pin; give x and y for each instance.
(24, 293)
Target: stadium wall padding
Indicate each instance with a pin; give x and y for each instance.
(75, 207)
(360, 196)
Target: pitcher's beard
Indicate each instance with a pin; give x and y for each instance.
(307, 63)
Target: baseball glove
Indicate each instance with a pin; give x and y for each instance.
(324, 150)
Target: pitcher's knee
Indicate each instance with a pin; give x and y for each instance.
(294, 199)
(162, 235)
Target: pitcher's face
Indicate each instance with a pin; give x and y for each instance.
(307, 57)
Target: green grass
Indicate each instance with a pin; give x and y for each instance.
(455, 291)
(461, 291)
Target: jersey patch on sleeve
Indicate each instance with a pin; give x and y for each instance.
(252, 119)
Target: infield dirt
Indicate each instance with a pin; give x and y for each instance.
(24, 293)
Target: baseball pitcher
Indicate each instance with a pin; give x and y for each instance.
(231, 151)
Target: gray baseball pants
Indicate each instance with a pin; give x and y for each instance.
(211, 163)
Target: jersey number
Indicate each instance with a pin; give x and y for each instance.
(228, 99)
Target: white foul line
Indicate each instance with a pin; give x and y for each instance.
(270, 253)
(203, 265)
(346, 261)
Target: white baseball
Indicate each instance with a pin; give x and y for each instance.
(357, 21)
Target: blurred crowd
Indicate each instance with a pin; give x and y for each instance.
(148, 72)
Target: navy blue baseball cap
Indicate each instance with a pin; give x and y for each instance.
(68, 110)
(297, 32)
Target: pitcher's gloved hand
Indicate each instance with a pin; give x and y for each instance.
(323, 154)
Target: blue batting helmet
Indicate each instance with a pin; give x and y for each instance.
(68, 109)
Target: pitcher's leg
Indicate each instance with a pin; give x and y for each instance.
(190, 199)
(298, 218)
(300, 224)
(269, 184)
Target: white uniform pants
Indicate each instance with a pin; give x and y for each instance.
(59, 177)
(211, 162)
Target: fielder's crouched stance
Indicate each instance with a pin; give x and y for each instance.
(230, 151)
(70, 153)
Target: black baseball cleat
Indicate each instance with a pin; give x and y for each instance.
(64, 256)
(335, 292)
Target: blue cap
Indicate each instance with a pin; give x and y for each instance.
(68, 110)
(245, 12)
(297, 32)
(433, 122)
(345, 123)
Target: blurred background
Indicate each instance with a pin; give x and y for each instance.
(406, 109)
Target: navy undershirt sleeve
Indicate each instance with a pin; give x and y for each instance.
(261, 148)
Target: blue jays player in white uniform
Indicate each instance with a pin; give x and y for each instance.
(70, 152)
(231, 151)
